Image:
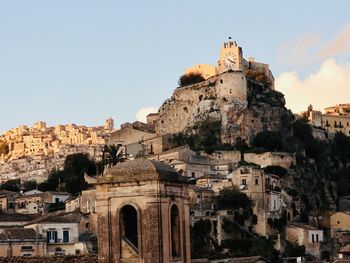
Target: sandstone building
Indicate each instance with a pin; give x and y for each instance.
(143, 214)
(334, 119)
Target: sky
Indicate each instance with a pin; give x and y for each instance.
(83, 61)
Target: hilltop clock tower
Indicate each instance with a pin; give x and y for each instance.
(231, 57)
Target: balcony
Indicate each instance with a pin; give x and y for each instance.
(243, 187)
(272, 188)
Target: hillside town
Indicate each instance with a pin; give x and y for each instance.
(208, 178)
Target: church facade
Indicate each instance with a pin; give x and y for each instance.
(143, 214)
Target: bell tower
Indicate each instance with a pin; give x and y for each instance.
(143, 214)
(231, 57)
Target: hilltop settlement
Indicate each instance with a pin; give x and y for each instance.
(223, 172)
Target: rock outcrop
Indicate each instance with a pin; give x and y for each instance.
(242, 106)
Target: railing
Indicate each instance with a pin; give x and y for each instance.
(270, 188)
(130, 244)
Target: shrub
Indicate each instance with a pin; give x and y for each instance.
(232, 198)
(277, 170)
(190, 78)
(271, 141)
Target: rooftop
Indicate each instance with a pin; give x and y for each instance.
(18, 217)
(140, 170)
(18, 233)
(304, 226)
(58, 217)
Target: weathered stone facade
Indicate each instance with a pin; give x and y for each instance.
(143, 214)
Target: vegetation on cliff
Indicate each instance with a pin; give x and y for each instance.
(190, 78)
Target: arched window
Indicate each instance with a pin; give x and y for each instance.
(128, 219)
(175, 232)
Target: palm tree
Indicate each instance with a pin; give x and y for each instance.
(113, 154)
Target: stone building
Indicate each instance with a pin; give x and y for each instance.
(131, 133)
(143, 214)
(334, 119)
(19, 242)
(305, 235)
(61, 231)
(339, 221)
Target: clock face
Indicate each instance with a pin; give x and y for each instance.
(229, 60)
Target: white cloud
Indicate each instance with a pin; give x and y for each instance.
(308, 48)
(142, 113)
(297, 51)
(328, 86)
(338, 46)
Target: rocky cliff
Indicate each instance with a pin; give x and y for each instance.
(241, 106)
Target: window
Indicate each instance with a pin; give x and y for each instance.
(27, 248)
(51, 236)
(128, 219)
(193, 174)
(317, 238)
(256, 181)
(175, 232)
(313, 238)
(244, 182)
(57, 200)
(65, 236)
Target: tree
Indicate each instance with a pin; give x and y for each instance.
(341, 148)
(29, 185)
(11, 185)
(75, 166)
(270, 141)
(277, 170)
(51, 184)
(232, 198)
(71, 178)
(201, 240)
(113, 154)
(294, 250)
(190, 78)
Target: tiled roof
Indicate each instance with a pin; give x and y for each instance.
(58, 217)
(18, 217)
(6, 192)
(58, 193)
(18, 233)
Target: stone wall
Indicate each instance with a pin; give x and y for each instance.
(201, 101)
(286, 160)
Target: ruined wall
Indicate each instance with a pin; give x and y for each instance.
(286, 160)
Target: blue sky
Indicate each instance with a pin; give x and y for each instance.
(83, 61)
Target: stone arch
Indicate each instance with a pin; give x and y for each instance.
(129, 230)
(175, 231)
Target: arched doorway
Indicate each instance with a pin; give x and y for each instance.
(175, 232)
(128, 220)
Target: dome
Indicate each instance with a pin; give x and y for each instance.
(141, 170)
